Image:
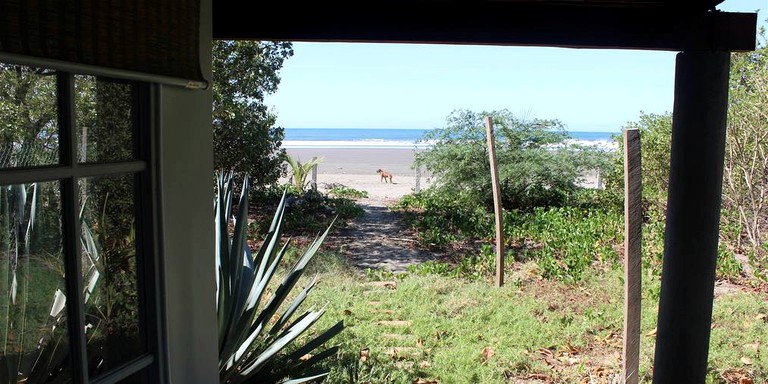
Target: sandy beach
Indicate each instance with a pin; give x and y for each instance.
(356, 168)
(358, 161)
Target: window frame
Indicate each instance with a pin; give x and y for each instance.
(143, 167)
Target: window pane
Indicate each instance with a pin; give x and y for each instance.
(104, 120)
(32, 304)
(109, 266)
(28, 122)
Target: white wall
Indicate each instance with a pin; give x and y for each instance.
(186, 170)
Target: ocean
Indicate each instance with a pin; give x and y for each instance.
(379, 138)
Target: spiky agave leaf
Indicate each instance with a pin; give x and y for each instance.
(233, 267)
(49, 360)
(241, 318)
(247, 352)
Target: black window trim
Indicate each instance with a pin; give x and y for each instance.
(144, 167)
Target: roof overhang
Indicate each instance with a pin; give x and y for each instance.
(655, 25)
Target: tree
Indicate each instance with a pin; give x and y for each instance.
(537, 165)
(745, 181)
(246, 139)
(28, 130)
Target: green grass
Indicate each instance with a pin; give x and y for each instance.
(737, 327)
(537, 328)
(25, 321)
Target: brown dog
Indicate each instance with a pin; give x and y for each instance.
(385, 175)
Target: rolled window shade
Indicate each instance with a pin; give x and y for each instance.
(154, 40)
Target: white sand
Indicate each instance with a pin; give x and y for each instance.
(401, 185)
(359, 161)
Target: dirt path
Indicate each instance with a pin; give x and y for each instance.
(380, 240)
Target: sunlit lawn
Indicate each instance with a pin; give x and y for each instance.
(446, 330)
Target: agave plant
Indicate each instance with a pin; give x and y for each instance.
(47, 360)
(301, 171)
(253, 346)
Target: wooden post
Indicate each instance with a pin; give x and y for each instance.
(693, 217)
(599, 183)
(417, 187)
(314, 174)
(633, 224)
(496, 203)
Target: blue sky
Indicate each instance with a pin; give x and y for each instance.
(344, 85)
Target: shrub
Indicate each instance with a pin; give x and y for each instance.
(537, 165)
(745, 182)
(655, 140)
(565, 241)
(299, 206)
(347, 192)
(442, 218)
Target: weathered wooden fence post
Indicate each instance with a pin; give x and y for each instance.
(633, 224)
(417, 187)
(314, 174)
(599, 182)
(496, 203)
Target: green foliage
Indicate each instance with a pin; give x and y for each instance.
(564, 241)
(347, 192)
(745, 181)
(320, 207)
(301, 171)
(34, 316)
(246, 139)
(756, 260)
(441, 218)
(299, 206)
(379, 274)
(537, 166)
(473, 266)
(596, 199)
(653, 246)
(28, 126)
(655, 140)
(31, 328)
(254, 341)
(727, 265)
(109, 118)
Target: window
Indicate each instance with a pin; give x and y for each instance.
(77, 255)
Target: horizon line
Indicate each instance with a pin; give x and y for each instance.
(425, 129)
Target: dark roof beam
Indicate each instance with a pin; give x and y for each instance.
(490, 22)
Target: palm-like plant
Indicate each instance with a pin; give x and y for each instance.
(301, 171)
(251, 344)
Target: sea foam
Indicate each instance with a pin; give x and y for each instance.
(356, 144)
